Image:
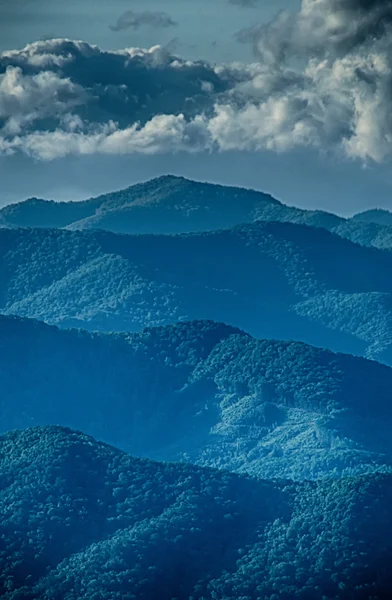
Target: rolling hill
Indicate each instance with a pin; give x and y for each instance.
(169, 204)
(277, 280)
(203, 393)
(82, 519)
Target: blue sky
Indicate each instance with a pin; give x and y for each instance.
(205, 27)
(304, 113)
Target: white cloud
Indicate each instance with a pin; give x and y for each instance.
(322, 79)
(27, 98)
(164, 133)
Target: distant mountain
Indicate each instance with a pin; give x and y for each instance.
(164, 205)
(82, 519)
(170, 204)
(277, 280)
(35, 212)
(204, 393)
(375, 215)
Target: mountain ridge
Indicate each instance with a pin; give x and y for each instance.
(172, 204)
(299, 283)
(170, 191)
(204, 393)
(81, 515)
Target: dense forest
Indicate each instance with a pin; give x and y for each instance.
(299, 283)
(172, 204)
(231, 359)
(204, 393)
(83, 520)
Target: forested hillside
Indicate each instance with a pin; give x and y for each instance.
(271, 279)
(154, 373)
(163, 205)
(82, 519)
(204, 393)
(176, 205)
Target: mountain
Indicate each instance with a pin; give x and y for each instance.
(163, 205)
(277, 280)
(375, 215)
(35, 212)
(204, 393)
(365, 234)
(170, 204)
(82, 519)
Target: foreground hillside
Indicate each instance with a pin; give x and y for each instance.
(204, 393)
(81, 519)
(272, 279)
(176, 205)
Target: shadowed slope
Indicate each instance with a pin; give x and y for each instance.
(205, 393)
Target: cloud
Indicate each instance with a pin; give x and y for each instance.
(163, 133)
(56, 78)
(25, 99)
(322, 27)
(321, 79)
(133, 20)
(340, 96)
(59, 97)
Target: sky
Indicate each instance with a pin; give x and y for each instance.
(290, 97)
(204, 30)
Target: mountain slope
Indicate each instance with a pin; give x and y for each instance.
(202, 392)
(375, 215)
(78, 517)
(271, 279)
(172, 204)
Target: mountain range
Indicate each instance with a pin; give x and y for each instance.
(171, 204)
(82, 519)
(279, 280)
(225, 352)
(204, 393)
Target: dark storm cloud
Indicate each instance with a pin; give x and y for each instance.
(133, 20)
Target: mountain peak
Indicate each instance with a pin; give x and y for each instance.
(167, 204)
(168, 178)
